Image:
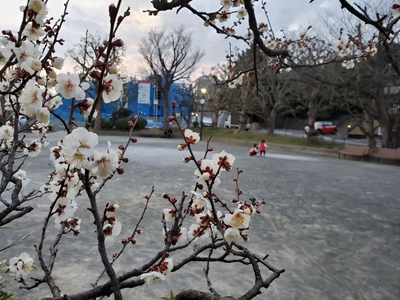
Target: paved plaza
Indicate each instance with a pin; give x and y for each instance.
(334, 225)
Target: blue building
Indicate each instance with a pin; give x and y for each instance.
(138, 96)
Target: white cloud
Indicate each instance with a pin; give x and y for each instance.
(93, 15)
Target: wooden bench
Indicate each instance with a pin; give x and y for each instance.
(359, 151)
(385, 153)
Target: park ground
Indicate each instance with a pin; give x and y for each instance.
(333, 224)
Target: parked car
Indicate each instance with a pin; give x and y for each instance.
(22, 120)
(325, 127)
(207, 121)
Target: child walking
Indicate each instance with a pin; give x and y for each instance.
(261, 147)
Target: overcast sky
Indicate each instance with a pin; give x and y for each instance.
(93, 15)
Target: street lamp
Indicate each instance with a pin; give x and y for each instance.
(202, 101)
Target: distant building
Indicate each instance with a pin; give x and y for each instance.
(137, 95)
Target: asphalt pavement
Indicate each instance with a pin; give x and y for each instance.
(333, 224)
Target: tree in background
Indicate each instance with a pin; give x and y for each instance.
(85, 55)
(171, 57)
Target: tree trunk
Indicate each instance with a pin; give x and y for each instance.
(165, 93)
(271, 121)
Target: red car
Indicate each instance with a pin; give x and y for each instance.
(325, 127)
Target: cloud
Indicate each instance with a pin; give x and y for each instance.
(92, 15)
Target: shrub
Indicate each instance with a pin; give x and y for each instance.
(122, 123)
(141, 123)
(106, 124)
(120, 113)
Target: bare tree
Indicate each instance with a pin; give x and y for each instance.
(171, 57)
(85, 56)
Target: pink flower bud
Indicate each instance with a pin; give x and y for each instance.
(133, 140)
(121, 147)
(139, 231)
(120, 170)
(165, 196)
(210, 149)
(133, 241)
(118, 43)
(125, 159)
(112, 207)
(130, 123)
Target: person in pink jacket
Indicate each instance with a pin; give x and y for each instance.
(253, 150)
(261, 147)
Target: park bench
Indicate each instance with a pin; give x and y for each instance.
(351, 150)
(388, 154)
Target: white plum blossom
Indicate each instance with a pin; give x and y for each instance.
(199, 201)
(33, 149)
(111, 231)
(112, 88)
(6, 131)
(69, 86)
(396, 9)
(272, 44)
(152, 277)
(80, 141)
(224, 159)
(226, 4)
(21, 265)
(169, 214)
(231, 234)
(32, 32)
(191, 137)
(43, 115)
(348, 63)
(58, 62)
(208, 172)
(242, 12)
(27, 49)
(104, 164)
(198, 234)
(371, 50)
(238, 219)
(21, 175)
(31, 98)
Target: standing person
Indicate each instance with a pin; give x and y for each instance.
(261, 147)
(253, 150)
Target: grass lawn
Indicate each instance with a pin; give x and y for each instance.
(257, 137)
(227, 133)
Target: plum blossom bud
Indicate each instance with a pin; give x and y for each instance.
(95, 74)
(118, 43)
(147, 197)
(187, 159)
(183, 129)
(139, 231)
(52, 74)
(165, 196)
(181, 147)
(124, 241)
(112, 69)
(120, 170)
(112, 207)
(133, 241)
(58, 63)
(114, 255)
(171, 118)
(240, 171)
(121, 147)
(174, 200)
(173, 104)
(210, 149)
(133, 140)
(234, 200)
(112, 11)
(125, 159)
(131, 124)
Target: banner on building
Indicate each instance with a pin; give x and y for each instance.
(144, 93)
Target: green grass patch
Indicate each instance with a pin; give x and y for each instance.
(256, 137)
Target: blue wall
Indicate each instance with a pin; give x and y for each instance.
(148, 110)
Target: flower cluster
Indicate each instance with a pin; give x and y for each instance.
(159, 271)
(21, 266)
